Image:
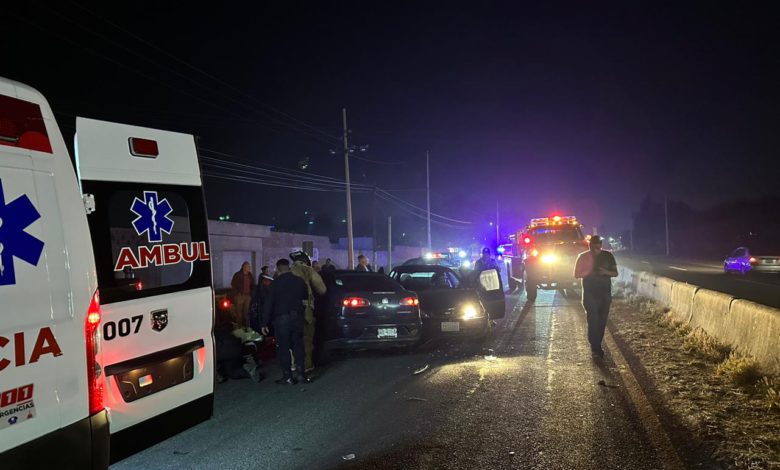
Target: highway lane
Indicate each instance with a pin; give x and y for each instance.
(534, 401)
(761, 288)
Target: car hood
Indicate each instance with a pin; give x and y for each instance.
(440, 301)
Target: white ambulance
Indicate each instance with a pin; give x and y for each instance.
(106, 301)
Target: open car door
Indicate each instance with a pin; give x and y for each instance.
(147, 218)
(490, 287)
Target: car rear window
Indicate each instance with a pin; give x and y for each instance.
(366, 283)
(423, 280)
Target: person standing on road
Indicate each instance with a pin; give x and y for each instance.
(363, 265)
(596, 268)
(242, 286)
(485, 262)
(284, 308)
(314, 284)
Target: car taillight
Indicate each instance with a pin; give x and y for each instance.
(94, 371)
(410, 301)
(527, 240)
(225, 304)
(753, 260)
(355, 302)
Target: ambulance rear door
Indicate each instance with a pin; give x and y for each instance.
(149, 232)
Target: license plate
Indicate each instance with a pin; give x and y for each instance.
(450, 326)
(769, 261)
(387, 333)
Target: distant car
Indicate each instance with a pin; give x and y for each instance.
(366, 310)
(452, 305)
(742, 261)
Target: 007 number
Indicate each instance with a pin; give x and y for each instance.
(122, 327)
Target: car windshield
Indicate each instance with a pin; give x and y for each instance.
(425, 280)
(544, 235)
(366, 283)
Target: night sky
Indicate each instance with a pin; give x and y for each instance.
(574, 108)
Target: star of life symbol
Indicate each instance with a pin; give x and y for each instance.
(15, 217)
(152, 216)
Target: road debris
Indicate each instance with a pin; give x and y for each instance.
(491, 358)
(605, 384)
(421, 369)
(416, 399)
(348, 457)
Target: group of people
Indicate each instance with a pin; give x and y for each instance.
(282, 305)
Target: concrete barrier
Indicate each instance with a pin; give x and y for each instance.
(662, 293)
(710, 312)
(646, 285)
(624, 276)
(755, 329)
(681, 303)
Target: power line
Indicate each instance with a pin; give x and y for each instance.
(433, 214)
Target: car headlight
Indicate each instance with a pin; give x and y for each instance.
(549, 258)
(469, 312)
(465, 264)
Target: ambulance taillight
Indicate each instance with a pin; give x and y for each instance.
(94, 371)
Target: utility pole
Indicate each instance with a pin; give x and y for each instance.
(373, 229)
(350, 240)
(666, 221)
(389, 244)
(498, 224)
(428, 186)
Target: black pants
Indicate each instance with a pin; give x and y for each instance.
(288, 330)
(596, 302)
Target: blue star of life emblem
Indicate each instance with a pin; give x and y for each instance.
(152, 216)
(13, 420)
(15, 217)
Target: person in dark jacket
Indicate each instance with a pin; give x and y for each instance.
(363, 265)
(258, 300)
(284, 309)
(596, 268)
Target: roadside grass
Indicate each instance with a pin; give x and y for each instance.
(719, 394)
(699, 342)
(740, 369)
(769, 389)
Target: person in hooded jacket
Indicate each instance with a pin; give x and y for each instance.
(302, 268)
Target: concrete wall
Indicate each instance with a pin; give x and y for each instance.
(233, 243)
(746, 326)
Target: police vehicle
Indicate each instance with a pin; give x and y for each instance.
(105, 281)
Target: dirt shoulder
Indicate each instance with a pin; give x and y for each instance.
(692, 380)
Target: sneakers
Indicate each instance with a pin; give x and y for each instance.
(286, 381)
(305, 378)
(599, 354)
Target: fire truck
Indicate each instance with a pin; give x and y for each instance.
(543, 254)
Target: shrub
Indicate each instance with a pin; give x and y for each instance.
(739, 369)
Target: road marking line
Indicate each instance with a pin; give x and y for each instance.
(677, 268)
(667, 454)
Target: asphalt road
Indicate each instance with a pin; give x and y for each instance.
(761, 288)
(533, 401)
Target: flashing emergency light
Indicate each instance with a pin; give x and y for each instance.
(549, 258)
(428, 256)
(501, 249)
(462, 253)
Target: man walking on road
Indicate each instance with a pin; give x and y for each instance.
(284, 308)
(596, 268)
(242, 286)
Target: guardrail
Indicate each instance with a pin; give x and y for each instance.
(746, 326)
